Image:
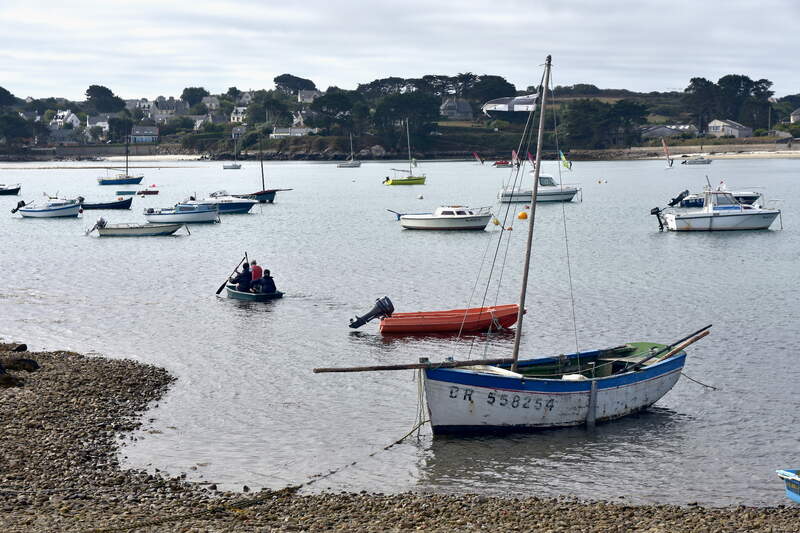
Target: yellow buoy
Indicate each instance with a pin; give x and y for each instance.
(522, 215)
(495, 221)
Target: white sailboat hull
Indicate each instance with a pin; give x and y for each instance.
(432, 222)
(557, 194)
(349, 164)
(704, 221)
(464, 401)
(138, 230)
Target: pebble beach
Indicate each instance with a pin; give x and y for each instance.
(60, 434)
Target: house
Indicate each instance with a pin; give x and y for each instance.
(794, 117)
(667, 130)
(62, 137)
(30, 116)
(306, 97)
(246, 98)
(456, 109)
(239, 114)
(237, 131)
(278, 133)
(142, 104)
(65, 117)
(211, 102)
(728, 128)
(170, 106)
(144, 134)
(100, 121)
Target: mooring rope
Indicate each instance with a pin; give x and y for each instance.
(698, 382)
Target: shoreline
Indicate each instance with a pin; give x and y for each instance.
(59, 470)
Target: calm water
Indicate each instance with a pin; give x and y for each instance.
(247, 409)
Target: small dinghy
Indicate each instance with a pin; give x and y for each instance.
(470, 320)
(791, 478)
(252, 296)
(120, 203)
(9, 190)
(134, 230)
(125, 193)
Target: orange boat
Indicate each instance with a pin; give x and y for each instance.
(472, 320)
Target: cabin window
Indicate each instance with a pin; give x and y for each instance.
(725, 199)
(546, 181)
(447, 212)
(461, 212)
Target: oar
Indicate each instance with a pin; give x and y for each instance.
(232, 273)
(696, 336)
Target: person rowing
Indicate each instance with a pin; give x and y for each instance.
(243, 279)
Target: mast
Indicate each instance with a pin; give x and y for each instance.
(127, 140)
(529, 244)
(261, 160)
(408, 140)
(352, 156)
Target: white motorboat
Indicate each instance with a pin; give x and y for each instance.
(183, 213)
(447, 217)
(226, 203)
(720, 211)
(548, 191)
(699, 160)
(50, 208)
(687, 199)
(231, 166)
(105, 229)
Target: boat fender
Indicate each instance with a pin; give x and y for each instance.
(574, 377)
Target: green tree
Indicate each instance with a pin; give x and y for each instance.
(193, 95)
(6, 98)
(628, 115)
(289, 84)
(420, 109)
(700, 100)
(198, 109)
(13, 128)
(96, 132)
(233, 93)
(491, 87)
(119, 128)
(102, 100)
(464, 83)
(588, 123)
(333, 111)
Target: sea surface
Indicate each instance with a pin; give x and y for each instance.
(246, 408)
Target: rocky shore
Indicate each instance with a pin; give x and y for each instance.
(59, 471)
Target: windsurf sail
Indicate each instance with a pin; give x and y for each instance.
(564, 162)
(666, 152)
(477, 157)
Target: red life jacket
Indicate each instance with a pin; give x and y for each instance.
(257, 272)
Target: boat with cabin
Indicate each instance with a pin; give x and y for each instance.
(49, 208)
(509, 394)
(548, 191)
(447, 217)
(227, 204)
(9, 190)
(719, 210)
(791, 480)
(122, 179)
(696, 160)
(184, 213)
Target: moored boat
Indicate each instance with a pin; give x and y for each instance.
(503, 164)
(471, 320)
(791, 480)
(125, 193)
(719, 211)
(697, 160)
(226, 203)
(105, 229)
(183, 213)
(351, 161)
(9, 190)
(121, 203)
(448, 217)
(548, 191)
(404, 180)
(231, 166)
(120, 179)
(50, 208)
(252, 296)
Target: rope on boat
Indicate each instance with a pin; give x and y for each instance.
(262, 497)
(698, 382)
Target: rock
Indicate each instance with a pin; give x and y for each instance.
(19, 363)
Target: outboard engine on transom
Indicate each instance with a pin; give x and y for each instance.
(383, 307)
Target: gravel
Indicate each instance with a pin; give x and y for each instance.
(59, 471)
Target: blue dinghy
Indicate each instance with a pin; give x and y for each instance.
(792, 480)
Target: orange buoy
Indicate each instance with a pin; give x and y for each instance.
(522, 215)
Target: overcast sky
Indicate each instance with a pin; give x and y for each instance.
(147, 48)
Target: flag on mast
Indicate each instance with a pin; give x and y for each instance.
(564, 162)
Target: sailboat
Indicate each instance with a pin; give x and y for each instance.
(264, 195)
(666, 153)
(410, 179)
(351, 161)
(235, 165)
(122, 179)
(582, 388)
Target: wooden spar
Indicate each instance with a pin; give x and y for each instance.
(537, 164)
(682, 346)
(412, 366)
(669, 348)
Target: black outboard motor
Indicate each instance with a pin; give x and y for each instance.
(675, 201)
(19, 205)
(383, 307)
(657, 212)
